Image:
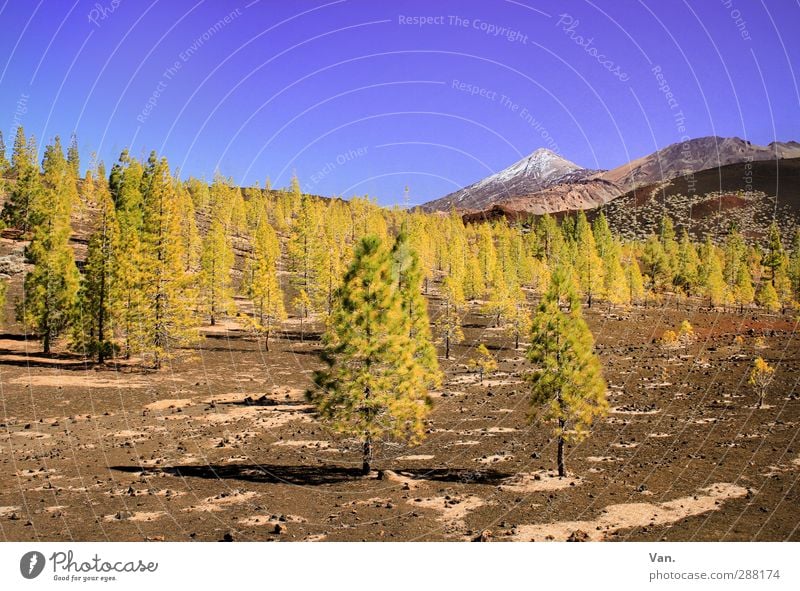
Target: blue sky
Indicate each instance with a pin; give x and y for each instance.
(367, 97)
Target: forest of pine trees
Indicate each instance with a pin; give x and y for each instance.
(167, 256)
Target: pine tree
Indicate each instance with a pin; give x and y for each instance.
(100, 292)
(51, 288)
(500, 302)
(302, 306)
(5, 165)
(448, 324)
(371, 388)
(767, 297)
(303, 246)
(265, 289)
(744, 290)
(487, 255)
(190, 237)
(484, 363)
(474, 286)
(216, 261)
(713, 279)
(3, 293)
(774, 255)
(407, 275)
(760, 378)
(28, 186)
(165, 319)
(73, 157)
(794, 265)
(588, 264)
(666, 235)
(518, 319)
(633, 275)
(567, 380)
(655, 262)
(686, 265)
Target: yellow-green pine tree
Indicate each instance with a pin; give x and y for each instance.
(166, 320)
(265, 289)
(407, 275)
(100, 289)
(448, 323)
(567, 380)
(216, 262)
(51, 288)
(370, 388)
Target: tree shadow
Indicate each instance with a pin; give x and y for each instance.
(260, 473)
(456, 475)
(263, 401)
(312, 475)
(47, 360)
(297, 336)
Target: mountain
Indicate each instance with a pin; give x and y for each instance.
(545, 182)
(693, 156)
(542, 169)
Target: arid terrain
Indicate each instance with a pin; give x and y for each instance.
(221, 445)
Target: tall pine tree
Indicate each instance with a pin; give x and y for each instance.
(372, 385)
(567, 379)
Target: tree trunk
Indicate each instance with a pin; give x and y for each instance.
(447, 347)
(562, 470)
(101, 319)
(366, 466)
(266, 341)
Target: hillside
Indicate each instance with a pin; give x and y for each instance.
(719, 198)
(547, 183)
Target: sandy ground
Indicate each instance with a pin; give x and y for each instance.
(222, 442)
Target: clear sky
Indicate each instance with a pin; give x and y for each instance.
(370, 96)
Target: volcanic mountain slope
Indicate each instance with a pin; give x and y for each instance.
(547, 183)
(693, 156)
(542, 169)
(706, 203)
(751, 195)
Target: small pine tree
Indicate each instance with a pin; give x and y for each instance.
(518, 318)
(500, 302)
(448, 324)
(73, 156)
(568, 379)
(302, 307)
(371, 388)
(767, 297)
(761, 376)
(484, 363)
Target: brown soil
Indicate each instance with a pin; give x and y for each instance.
(195, 452)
